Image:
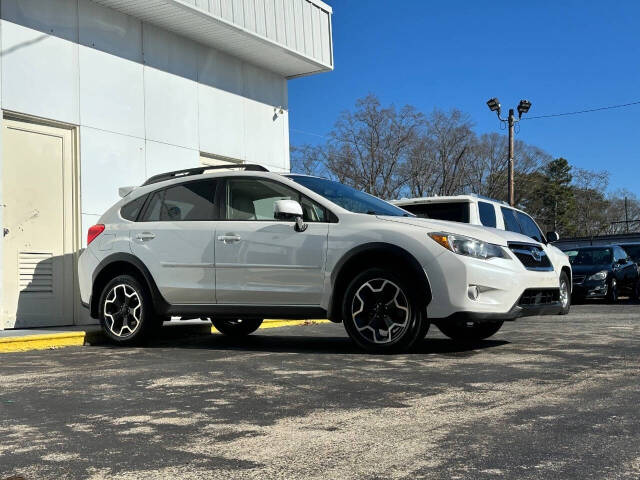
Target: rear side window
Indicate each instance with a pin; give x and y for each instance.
(510, 220)
(131, 210)
(193, 201)
(487, 214)
(454, 212)
(529, 227)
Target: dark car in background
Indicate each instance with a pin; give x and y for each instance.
(603, 272)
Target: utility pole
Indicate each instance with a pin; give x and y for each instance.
(523, 107)
(626, 214)
(512, 198)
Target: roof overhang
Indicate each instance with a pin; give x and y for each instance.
(191, 22)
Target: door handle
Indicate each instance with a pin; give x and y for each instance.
(144, 236)
(229, 238)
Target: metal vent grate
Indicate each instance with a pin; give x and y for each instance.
(35, 272)
(540, 296)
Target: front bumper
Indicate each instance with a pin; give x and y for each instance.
(516, 311)
(501, 285)
(590, 289)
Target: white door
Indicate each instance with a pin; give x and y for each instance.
(262, 261)
(38, 225)
(174, 239)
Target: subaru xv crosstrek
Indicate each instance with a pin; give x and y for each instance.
(240, 246)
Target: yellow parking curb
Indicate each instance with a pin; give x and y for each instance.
(42, 342)
(47, 341)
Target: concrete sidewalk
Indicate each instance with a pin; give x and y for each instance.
(22, 340)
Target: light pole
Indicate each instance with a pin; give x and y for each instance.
(523, 107)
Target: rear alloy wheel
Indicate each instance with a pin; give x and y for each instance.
(612, 292)
(381, 313)
(126, 313)
(240, 327)
(565, 294)
(470, 331)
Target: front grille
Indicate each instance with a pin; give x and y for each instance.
(579, 278)
(540, 296)
(531, 256)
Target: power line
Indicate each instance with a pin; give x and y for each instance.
(610, 107)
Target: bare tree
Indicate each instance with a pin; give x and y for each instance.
(591, 203)
(368, 147)
(439, 157)
(617, 215)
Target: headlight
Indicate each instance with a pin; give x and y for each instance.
(468, 246)
(598, 276)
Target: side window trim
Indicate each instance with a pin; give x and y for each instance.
(223, 188)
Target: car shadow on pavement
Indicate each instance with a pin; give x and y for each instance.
(315, 344)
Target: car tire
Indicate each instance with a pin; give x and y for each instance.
(470, 331)
(126, 310)
(612, 291)
(565, 293)
(382, 313)
(636, 291)
(237, 328)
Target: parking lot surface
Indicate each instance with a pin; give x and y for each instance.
(547, 397)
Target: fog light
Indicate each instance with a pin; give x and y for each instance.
(473, 292)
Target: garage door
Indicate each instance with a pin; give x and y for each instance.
(38, 225)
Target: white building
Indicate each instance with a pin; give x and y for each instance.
(100, 94)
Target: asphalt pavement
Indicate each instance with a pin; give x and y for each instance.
(546, 398)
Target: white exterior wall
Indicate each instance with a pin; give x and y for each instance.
(145, 100)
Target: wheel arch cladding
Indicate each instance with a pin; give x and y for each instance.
(370, 255)
(124, 264)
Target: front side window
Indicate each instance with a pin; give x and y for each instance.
(510, 220)
(255, 199)
(619, 254)
(529, 227)
(487, 214)
(193, 201)
(633, 251)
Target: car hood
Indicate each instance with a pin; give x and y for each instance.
(486, 234)
(589, 269)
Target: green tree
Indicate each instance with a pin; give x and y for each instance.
(557, 197)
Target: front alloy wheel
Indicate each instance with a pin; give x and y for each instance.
(380, 314)
(612, 293)
(565, 295)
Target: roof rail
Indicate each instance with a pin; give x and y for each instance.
(200, 170)
(484, 197)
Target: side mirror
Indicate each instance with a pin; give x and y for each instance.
(287, 210)
(290, 210)
(552, 237)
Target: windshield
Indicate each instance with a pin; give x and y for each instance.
(591, 256)
(349, 198)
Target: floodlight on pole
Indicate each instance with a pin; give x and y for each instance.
(523, 107)
(494, 105)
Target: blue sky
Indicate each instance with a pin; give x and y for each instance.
(561, 55)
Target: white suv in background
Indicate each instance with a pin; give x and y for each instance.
(240, 246)
(479, 210)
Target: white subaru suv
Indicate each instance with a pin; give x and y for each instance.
(241, 246)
